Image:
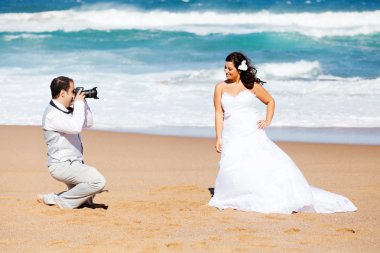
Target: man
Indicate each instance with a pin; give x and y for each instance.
(63, 120)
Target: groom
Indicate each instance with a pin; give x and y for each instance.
(64, 118)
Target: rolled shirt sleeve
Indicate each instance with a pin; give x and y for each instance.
(89, 121)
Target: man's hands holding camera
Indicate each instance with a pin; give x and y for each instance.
(79, 95)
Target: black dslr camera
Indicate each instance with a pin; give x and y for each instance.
(93, 93)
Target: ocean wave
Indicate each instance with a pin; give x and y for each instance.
(26, 36)
(299, 70)
(287, 71)
(184, 97)
(291, 70)
(110, 17)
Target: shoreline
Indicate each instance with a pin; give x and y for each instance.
(158, 190)
(322, 135)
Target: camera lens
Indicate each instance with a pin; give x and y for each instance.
(93, 93)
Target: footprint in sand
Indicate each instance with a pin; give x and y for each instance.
(200, 245)
(246, 238)
(214, 238)
(237, 229)
(292, 230)
(346, 230)
(57, 242)
(174, 245)
(150, 249)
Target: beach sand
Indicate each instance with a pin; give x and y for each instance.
(158, 189)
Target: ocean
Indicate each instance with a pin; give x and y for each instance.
(156, 62)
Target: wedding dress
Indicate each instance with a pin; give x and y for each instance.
(256, 175)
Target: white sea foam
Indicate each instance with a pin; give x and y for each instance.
(108, 17)
(184, 98)
(26, 36)
(291, 70)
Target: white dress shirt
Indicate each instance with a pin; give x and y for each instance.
(62, 130)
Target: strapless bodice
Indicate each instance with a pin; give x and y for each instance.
(243, 102)
(240, 114)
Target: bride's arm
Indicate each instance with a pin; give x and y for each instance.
(218, 116)
(267, 99)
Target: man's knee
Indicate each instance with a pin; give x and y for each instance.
(102, 183)
(98, 183)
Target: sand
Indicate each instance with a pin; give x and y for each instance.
(158, 188)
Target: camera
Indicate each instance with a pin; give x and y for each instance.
(93, 93)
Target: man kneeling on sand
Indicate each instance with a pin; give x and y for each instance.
(64, 118)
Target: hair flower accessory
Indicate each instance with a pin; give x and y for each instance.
(243, 66)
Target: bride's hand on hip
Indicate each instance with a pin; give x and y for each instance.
(218, 146)
(261, 124)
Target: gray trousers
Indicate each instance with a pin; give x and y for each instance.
(83, 183)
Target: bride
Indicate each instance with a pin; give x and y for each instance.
(254, 173)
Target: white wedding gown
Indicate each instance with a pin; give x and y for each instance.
(256, 175)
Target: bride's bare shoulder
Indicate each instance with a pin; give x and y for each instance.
(220, 85)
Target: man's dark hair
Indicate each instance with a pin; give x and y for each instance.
(58, 84)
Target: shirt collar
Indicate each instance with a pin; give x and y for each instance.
(60, 106)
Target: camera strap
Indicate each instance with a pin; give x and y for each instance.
(70, 109)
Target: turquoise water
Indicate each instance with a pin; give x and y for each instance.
(278, 6)
(156, 62)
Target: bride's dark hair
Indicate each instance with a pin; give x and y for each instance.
(248, 77)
